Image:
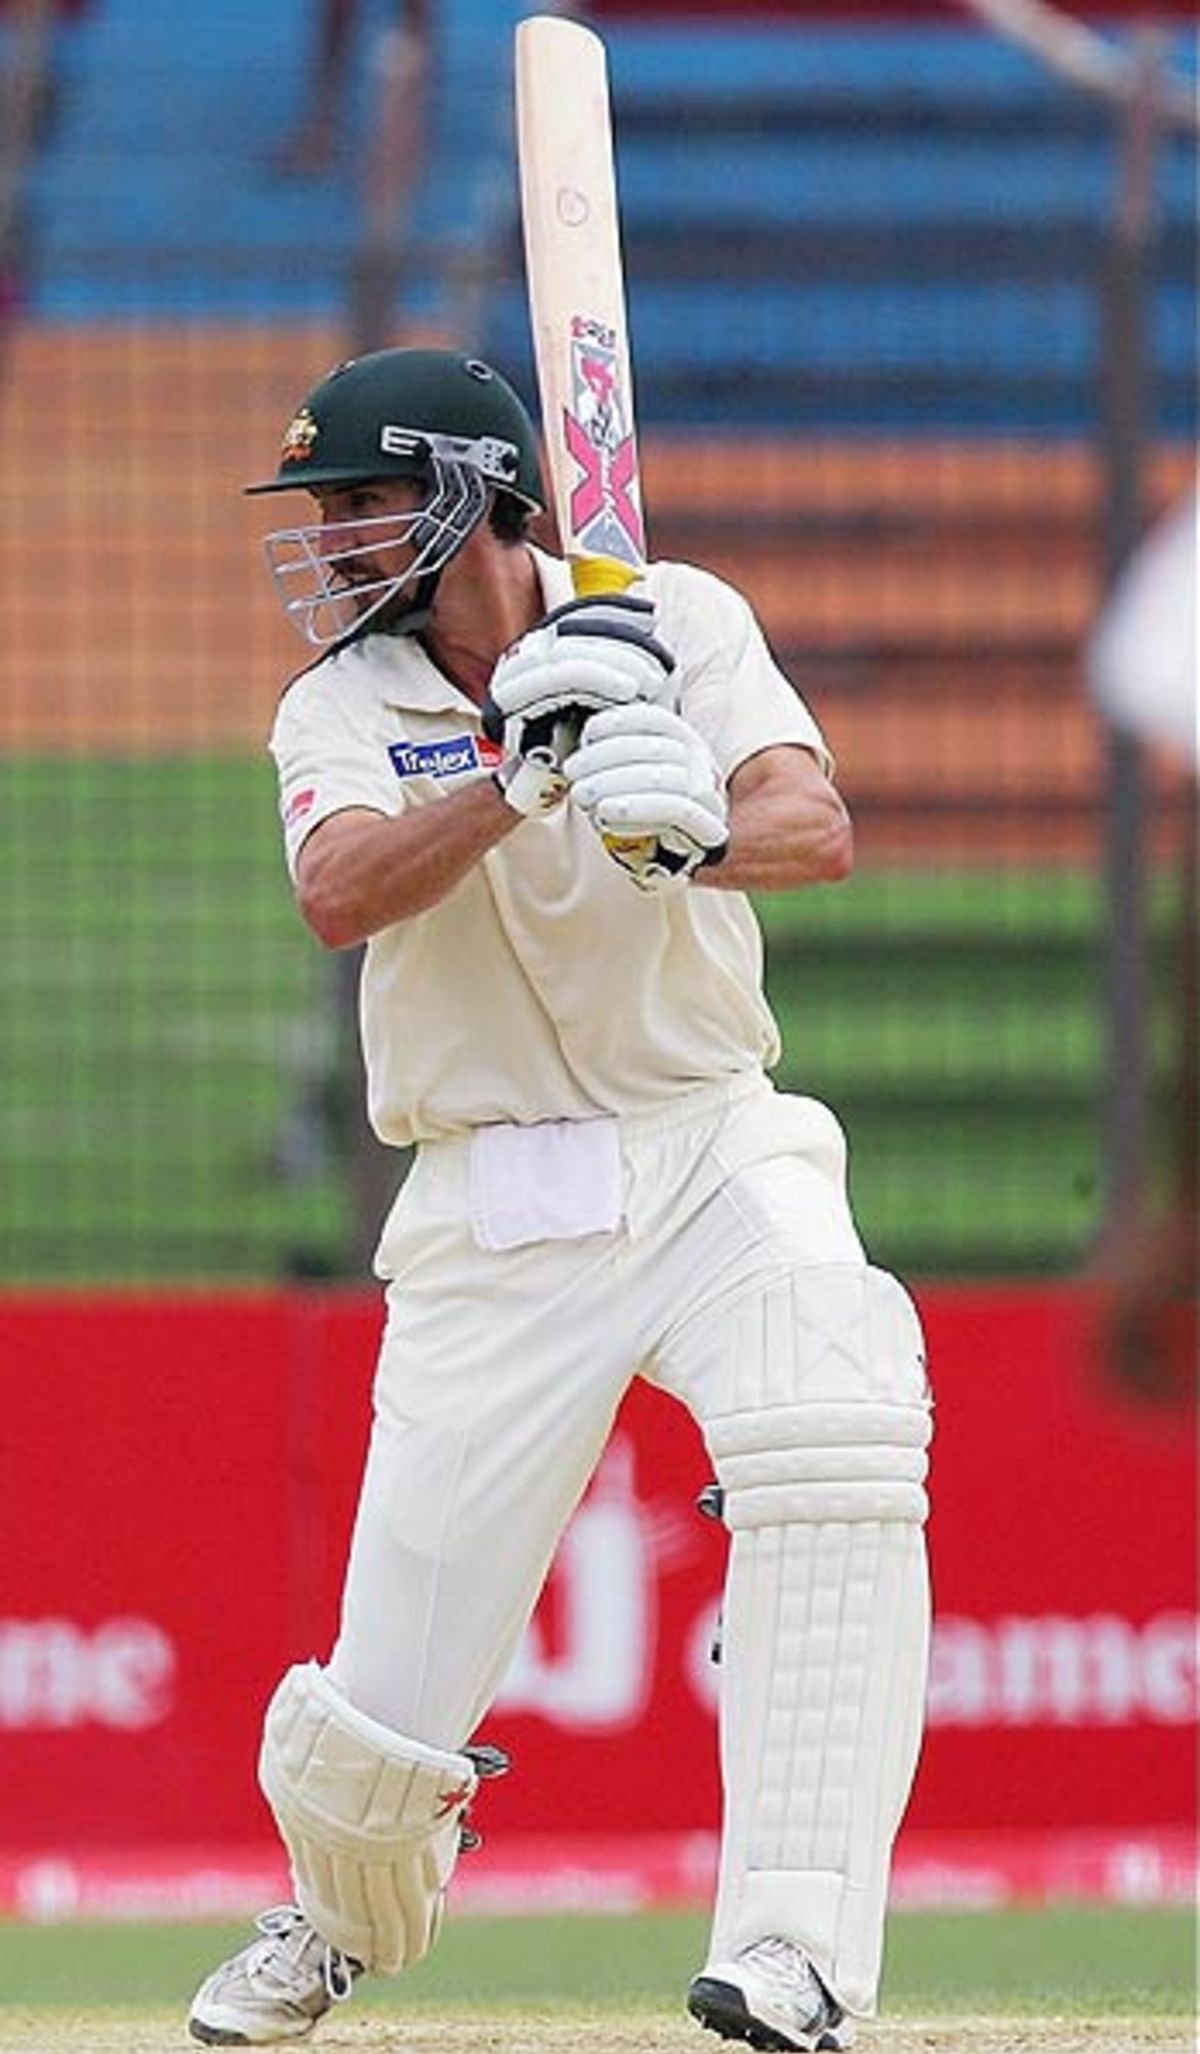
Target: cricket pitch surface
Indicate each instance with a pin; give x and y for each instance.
(120, 2032)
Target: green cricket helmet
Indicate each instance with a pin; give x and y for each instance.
(448, 422)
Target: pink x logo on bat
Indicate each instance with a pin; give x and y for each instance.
(606, 484)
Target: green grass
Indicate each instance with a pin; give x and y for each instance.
(170, 1058)
(163, 1023)
(1080, 1960)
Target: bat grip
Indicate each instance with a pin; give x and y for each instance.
(552, 737)
(594, 575)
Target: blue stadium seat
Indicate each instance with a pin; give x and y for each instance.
(895, 227)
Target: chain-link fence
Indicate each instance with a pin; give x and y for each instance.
(872, 313)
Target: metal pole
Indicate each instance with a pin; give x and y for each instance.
(1126, 425)
(22, 86)
(400, 68)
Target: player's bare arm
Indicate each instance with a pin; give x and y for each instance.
(361, 871)
(788, 826)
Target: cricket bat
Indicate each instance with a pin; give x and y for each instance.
(577, 300)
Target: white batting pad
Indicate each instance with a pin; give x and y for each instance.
(826, 1627)
(370, 1820)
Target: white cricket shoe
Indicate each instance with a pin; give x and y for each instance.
(771, 1996)
(274, 1989)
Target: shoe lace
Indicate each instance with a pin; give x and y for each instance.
(293, 1943)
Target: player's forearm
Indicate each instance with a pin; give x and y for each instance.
(358, 875)
(779, 840)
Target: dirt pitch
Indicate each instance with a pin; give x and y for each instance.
(112, 2032)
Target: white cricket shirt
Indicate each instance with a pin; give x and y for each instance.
(545, 986)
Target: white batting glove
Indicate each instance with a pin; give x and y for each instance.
(586, 655)
(651, 788)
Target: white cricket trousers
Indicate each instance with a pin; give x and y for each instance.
(498, 1380)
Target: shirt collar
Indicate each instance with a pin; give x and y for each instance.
(412, 681)
(555, 575)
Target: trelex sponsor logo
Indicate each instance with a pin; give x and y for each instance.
(449, 757)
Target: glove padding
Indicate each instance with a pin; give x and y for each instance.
(586, 655)
(651, 788)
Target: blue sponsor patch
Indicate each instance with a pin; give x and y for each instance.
(447, 758)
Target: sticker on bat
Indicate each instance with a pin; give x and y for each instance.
(606, 518)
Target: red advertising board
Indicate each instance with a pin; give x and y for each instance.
(178, 1478)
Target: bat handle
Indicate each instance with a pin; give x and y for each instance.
(592, 575)
(564, 737)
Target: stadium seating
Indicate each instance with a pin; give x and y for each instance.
(901, 228)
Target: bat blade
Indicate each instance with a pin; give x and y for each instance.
(577, 299)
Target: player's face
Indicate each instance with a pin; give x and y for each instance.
(372, 544)
(365, 530)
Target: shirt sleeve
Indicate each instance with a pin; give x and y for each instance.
(326, 761)
(732, 689)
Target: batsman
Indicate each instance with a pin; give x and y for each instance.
(543, 816)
